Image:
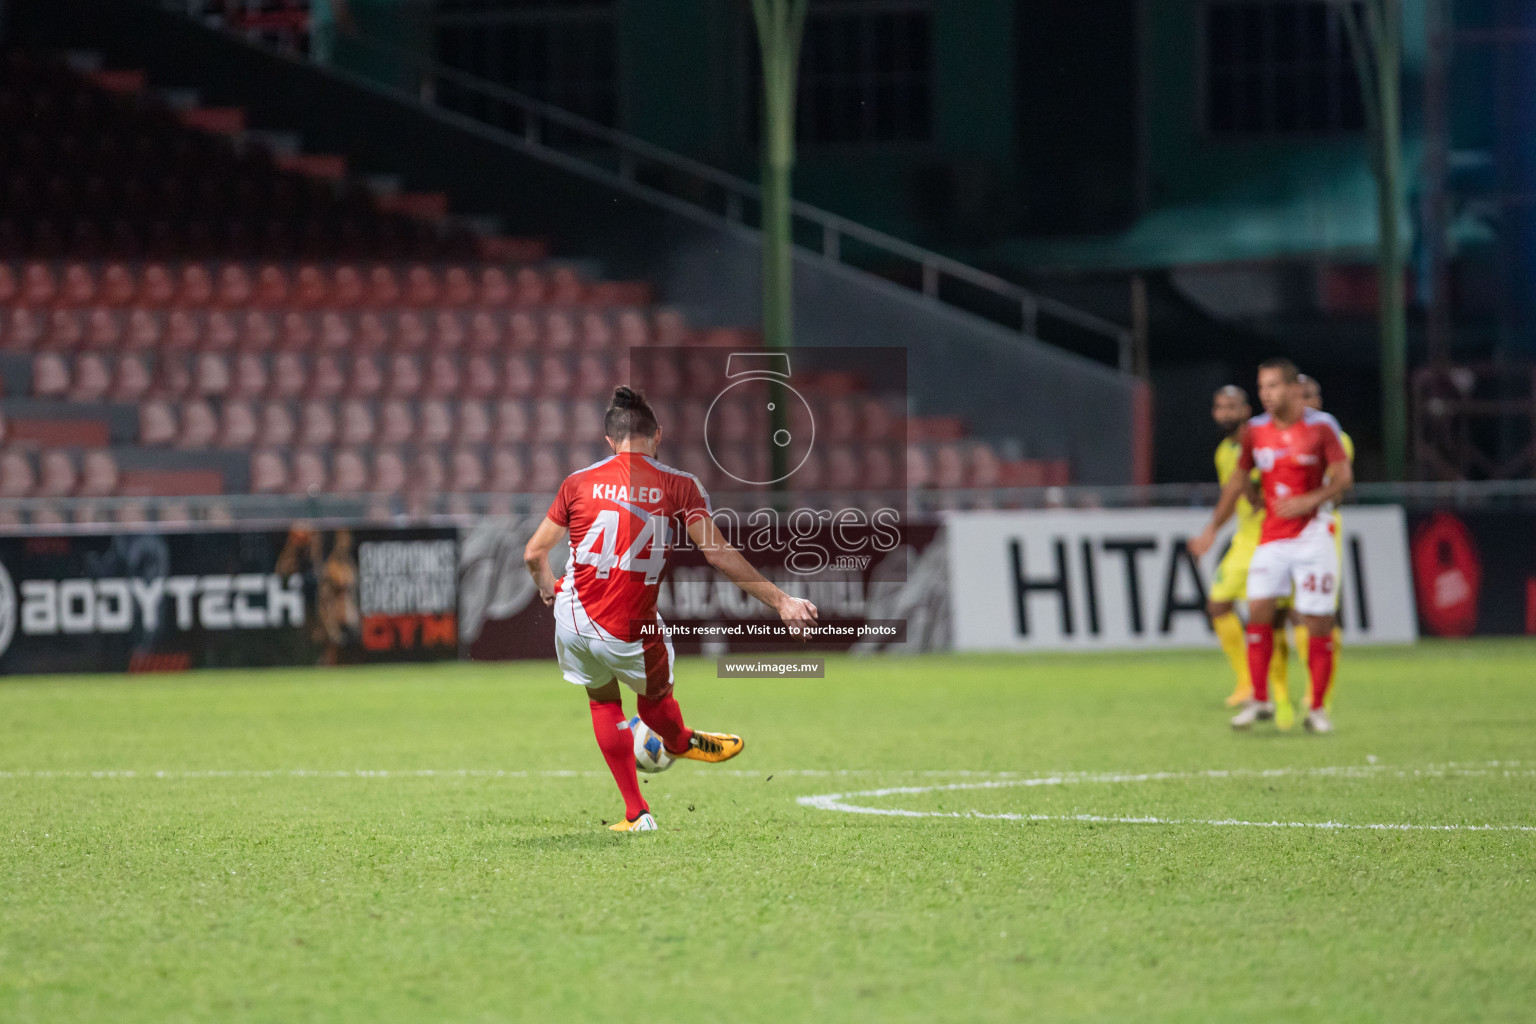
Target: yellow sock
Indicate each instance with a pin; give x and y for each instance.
(1280, 682)
(1229, 631)
(1338, 645)
(1303, 641)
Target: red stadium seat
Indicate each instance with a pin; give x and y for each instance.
(93, 379)
(290, 375)
(383, 287)
(335, 331)
(389, 473)
(949, 468)
(157, 289)
(596, 332)
(258, 331)
(17, 478)
(131, 379)
(523, 331)
(271, 287)
(234, 288)
(436, 425)
(38, 287)
(118, 286)
(57, 475)
(468, 471)
(311, 287)
(98, 475)
(484, 332)
(586, 421)
(546, 469)
(881, 470)
(317, 423)
(549, 421)
(397, 422)
(50, 375)
(220, 333)
(23, 330)
(447, 331)
(480, 377)
(250, 379)
(103, 329)
(555, 377)
(212, 375)
(411, 334)
(296, 332)
(473, 423)
(183, 331)
(10, 287)
(559, 331)
(173, 376)
(442, 377)
(199, 426)
(508, 474)
(565, 287)
(309, 473)
(512, 425)
(144, 331)
(157, 424)
(919, 467)
(404, 376)
(632, 329)
(78, 287)
(366, 378)
(269, 473)
(348, 287)
(237, 425)
(517, 377)
(496, 288)
(349, 473)
(357, 425)
(195, 290)
(327, 379)
(277, 426)
(428, 474)
(373, 332)
(66, 330)
(421, 286)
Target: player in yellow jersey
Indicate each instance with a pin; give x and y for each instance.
(1230, 410)
(1312, 395)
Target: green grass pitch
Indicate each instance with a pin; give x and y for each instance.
(264, 875)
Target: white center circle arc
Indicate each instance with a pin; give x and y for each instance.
(841, 801)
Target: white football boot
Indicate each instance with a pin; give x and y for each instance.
(1253, 711)
(1318, 722)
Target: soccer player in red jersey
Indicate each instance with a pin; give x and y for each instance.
(621, 515)
(1303, 469)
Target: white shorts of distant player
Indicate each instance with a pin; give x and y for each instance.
(1304, 568)
(644, 666)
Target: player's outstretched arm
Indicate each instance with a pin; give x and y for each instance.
(1340, 478)
(796, 612)
(536, 557)
(1235, 487)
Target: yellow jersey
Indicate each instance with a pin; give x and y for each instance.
(1249, 519)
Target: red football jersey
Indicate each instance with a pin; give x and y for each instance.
(623, 515)
(1291, 460)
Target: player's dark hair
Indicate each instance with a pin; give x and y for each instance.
(1285, 366)
(628, 413)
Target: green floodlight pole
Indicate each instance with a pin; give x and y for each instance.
(1377, 48)
(780, 27)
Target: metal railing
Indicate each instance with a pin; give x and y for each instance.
(47, 516)
(678, 182)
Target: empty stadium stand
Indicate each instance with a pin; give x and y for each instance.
(189, 308)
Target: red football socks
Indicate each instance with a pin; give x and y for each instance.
(666, 720)
(618, 746)
(1261, 647)
(1320, 664)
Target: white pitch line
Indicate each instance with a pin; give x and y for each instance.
(1508, 769)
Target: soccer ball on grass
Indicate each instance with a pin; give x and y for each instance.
(650, 753)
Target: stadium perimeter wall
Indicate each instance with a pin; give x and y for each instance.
(1005, 385)
(1027, 580)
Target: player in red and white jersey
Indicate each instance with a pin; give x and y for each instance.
(623, 515)
(1303, 469)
